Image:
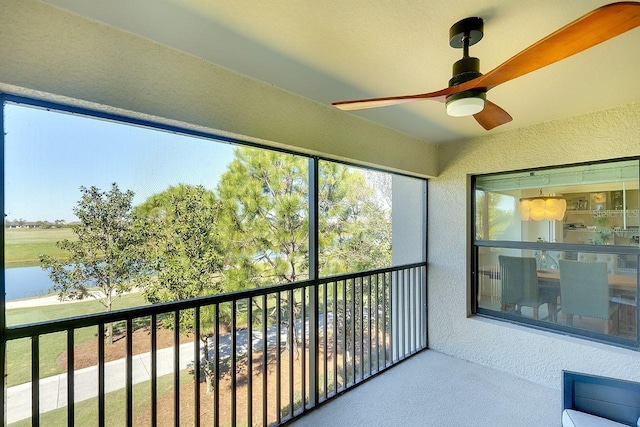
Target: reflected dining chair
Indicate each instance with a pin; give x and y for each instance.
(520, 284)
(584, 291)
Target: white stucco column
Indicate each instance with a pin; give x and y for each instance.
(409, 245)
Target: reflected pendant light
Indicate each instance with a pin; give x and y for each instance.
(542, 207)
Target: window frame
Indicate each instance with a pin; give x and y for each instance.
(477, 244)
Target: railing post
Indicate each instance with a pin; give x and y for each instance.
(176, 368)
(313, 275)
(3, 371)
(154, 369)
(196, 366)
(129, 373)
(70, 377)
(3, 356)
(101, 378)
(313, 345)
(35, 380)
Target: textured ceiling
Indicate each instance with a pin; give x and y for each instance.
(333, 50)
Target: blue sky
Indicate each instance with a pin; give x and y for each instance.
(49, 155)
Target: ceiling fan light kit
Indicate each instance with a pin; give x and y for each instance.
(466, 103)
(466, 93)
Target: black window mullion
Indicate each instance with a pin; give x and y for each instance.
(314, 174)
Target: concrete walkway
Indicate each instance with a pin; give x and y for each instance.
(53, 390)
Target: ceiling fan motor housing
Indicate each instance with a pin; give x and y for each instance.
(464, 70)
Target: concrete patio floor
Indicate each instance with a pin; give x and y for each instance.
(432, 389)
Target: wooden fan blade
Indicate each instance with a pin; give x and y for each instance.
(362, 104)
(595, 27)
(492, 116)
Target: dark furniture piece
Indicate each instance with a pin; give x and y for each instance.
(520, 284)
(584, 290)
(614, 399)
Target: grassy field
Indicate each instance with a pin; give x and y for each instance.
(86, 411)
(23, 246)
(51, 345)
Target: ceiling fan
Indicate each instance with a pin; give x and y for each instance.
(466, 93)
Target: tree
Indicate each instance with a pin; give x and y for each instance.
(355, 221)
(183, 254)
(265, 213)
(264, 198)
(183, 250)
(104, 254)
(264, 201)
(491, 220)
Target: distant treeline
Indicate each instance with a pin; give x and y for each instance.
(21, 223)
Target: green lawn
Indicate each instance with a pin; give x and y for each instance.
(86, 412)
(51, 345)
(23, 246)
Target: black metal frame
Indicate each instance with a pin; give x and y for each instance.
(611, 398)
(475, 245)
(314, 293)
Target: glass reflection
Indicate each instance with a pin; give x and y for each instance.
(588, 291)
(601, 201)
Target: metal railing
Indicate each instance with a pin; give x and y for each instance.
(257, 357)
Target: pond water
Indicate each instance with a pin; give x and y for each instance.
(25, 282)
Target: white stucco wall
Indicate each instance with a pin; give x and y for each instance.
(48, 53)
(537, 356)
(408, 220)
